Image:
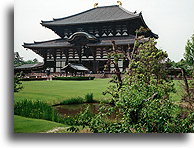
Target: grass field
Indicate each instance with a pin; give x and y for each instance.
(55, 91)
(28, 125)
(178, 84)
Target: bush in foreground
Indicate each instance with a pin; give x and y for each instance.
(74, 100)
(79, 100)
(142, 98)
(37, 109)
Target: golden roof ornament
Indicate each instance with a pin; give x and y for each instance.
(95, 5)
(119, 3)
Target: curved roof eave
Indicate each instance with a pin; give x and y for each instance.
(47, 25)
(141, 17)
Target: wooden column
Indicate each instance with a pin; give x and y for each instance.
(125, 52)
(93, 50)
(79, 52)
(44, 53)
(54, 57)
(108, 50)
(101, 52)
(66, 52)
(73, 52)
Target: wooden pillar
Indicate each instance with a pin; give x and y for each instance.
(66, 52)
(44, 53)
(79, 52)
(124, 50)
(93, 51)
(54, 57)
(101, 52)
(73, 50)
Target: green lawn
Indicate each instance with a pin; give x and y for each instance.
(55, 91)
(29, 125)
(179, 92)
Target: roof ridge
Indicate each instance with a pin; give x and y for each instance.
(59, 19)
(131, 13)
(108, 6)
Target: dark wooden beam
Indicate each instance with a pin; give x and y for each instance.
(54, 57)
(93, 51)
(79, 52)
(44, 53)
(66, 52)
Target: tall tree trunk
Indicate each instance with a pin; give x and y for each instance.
(186, 84)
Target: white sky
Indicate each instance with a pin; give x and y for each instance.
(172, 20)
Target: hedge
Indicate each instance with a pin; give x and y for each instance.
(58, 78)
(73, 78)
(33, 79)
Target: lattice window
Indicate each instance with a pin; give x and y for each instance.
(125, 34)
(124, 30)
(104, 31)
(110, 31)
(96, 32)
(58, 64)
(118, 34)
(62, 64)
(91, 30)
(104, 35)
(110, 34)
(49, 54)
(118, 30)
(58, 70)
(65, 33)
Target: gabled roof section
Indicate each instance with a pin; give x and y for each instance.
(28, 66)
(88, 36)
(94, 15)
(77, 67)
(61, 43)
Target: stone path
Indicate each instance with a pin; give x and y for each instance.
(55, 130)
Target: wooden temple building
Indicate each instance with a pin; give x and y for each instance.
(86, 38)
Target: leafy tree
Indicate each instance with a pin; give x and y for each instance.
(189, 62)
(18, 60)
(143, 100)
(35, 60)
(17, 83)
(116, 54)
(189, 51)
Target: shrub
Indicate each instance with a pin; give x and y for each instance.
(17, 83)
(33, 79)
(38, 110)
(89, 98)
(75, 100)
(73, 78)
(143, 98)
(41, 110)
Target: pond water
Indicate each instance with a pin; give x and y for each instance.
(74, 109)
